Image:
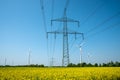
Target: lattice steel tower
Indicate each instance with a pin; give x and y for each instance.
(65, 20)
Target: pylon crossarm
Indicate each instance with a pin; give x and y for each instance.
(59, 19)
(75, 33)
(65, 19)
(54, 32)
(72, 20)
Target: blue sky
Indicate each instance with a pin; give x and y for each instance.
(22, 27)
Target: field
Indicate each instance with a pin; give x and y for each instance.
(87, 73)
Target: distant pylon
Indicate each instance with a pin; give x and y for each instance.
(12, 63)
(80, 54)
(89, 56)
(5, 61)
(52, 62)
(29, 56)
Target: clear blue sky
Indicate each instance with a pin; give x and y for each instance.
(21, 28)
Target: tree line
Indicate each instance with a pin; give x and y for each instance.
(31, 65)
(109, 64)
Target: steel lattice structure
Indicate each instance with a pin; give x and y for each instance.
(65, 20)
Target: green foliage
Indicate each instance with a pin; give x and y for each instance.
(109, 64)
(31, 65)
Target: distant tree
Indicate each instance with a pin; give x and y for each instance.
(83, 64)
(41, 65)
(104, 65)
(110, 64)
(89, 65)
(7, 65)
(71, 65)
(117, 64)
(78, 65)
(96, 65)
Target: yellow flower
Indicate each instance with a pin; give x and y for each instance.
(86, 73)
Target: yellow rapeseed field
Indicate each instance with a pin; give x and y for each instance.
(87, 73)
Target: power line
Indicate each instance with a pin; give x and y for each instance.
(74, 43)
(71, 42)
(75, 40)
(43, 13)
(107, 28)
(66, 6)
(44, 22)
(99, 25)
(67, 3)
(52, 12)
(47, 52)
(54, 47)
(51, 40)
(94, 11)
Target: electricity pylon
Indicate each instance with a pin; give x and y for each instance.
(5, 61)
(52, 62)
(29, 56)
(65, 32)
